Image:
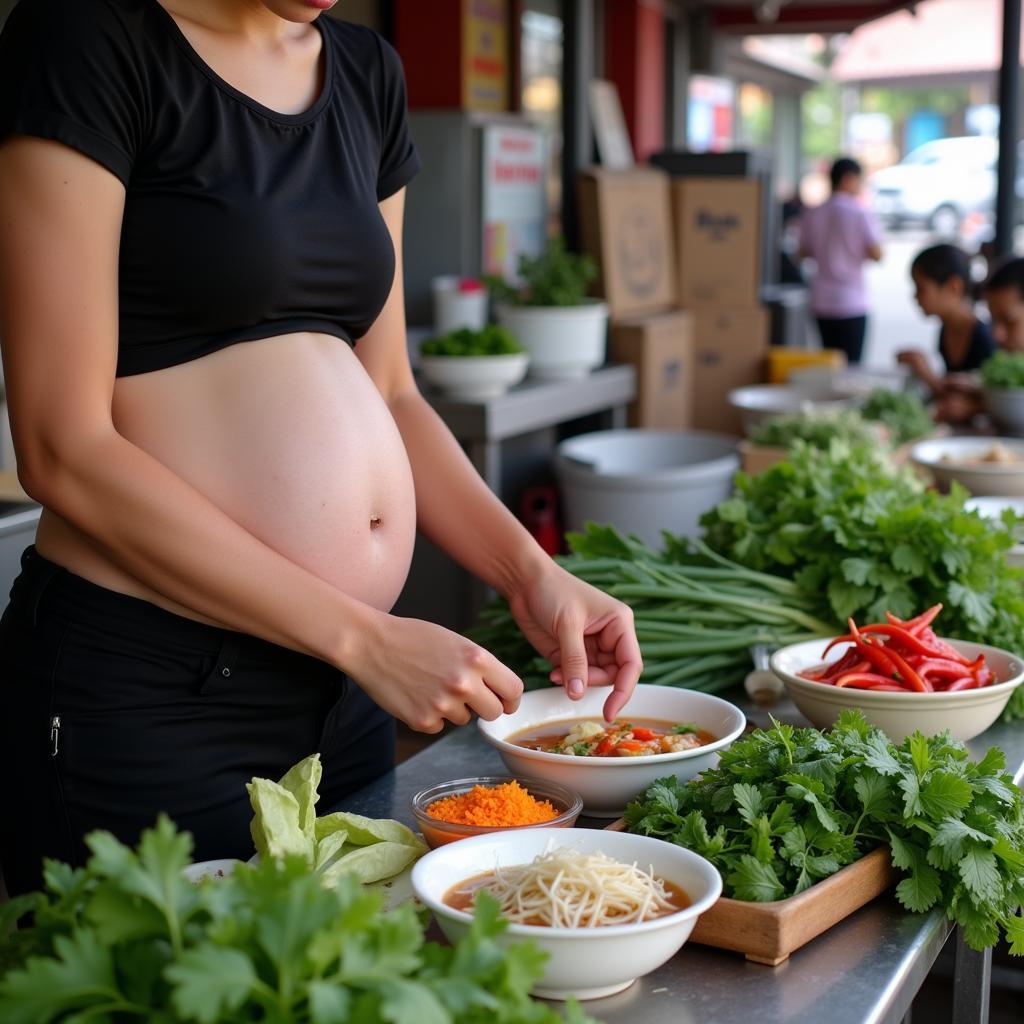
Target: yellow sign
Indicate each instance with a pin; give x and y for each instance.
(485, 54)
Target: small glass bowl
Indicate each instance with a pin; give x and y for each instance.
(437, 832)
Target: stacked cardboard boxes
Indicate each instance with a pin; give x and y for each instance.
(717, 230)
(681, 271)
(626, 226)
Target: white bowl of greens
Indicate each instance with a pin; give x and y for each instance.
(472, 366)
(1002, 380)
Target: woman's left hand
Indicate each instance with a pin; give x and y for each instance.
(587, 636)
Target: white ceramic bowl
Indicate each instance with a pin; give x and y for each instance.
(584, 962)
(1006, 407)
(474, 378)
(607, 784)
(759, 401)
(956, 458)
(564, 342)
(966, 713)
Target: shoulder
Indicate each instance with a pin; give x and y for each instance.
(982, 335)
(363, 47)
(87, 30)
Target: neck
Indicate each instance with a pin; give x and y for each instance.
(959, 316)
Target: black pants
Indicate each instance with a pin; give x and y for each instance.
(844, 333)
(112, 710)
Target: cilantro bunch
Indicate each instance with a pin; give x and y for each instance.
(787, 807)
(818, 429)
(843, 523)
(129, 938)
(554, 277)
(904, 414)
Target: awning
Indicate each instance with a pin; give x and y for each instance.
(760, 17)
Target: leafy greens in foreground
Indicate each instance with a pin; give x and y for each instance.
(129, 938)
(844, 524)
(787, 807)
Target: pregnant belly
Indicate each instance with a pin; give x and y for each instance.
(291, 439)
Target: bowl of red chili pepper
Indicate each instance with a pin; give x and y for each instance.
(902, 676)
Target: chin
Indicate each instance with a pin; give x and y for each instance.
(298, 10)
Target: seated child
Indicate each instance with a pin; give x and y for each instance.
(1004, 294)
(942, 288)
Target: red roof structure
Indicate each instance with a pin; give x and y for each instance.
(762, 17)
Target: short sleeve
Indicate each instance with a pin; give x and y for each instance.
(399, 160)
(69, 73)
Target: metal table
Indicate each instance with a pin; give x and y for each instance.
(865, 970)
(534, 405)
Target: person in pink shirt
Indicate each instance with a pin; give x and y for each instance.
(840, 235)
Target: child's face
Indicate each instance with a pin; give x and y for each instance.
(936, 299)
(1007, 308)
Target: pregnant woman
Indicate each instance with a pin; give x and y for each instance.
(205, 358)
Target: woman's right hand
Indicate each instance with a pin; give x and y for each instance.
(425, 674)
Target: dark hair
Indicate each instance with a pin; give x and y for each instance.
(942, 263)
(1008, 275)
(841, 168)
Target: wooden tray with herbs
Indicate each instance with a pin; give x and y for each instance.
(768, 933)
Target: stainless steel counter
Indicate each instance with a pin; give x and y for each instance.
(865, 970)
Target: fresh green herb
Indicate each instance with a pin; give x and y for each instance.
(787, 807)
(682, 728)
(903, 414)
(127, 938)
(696, 614)
(581, 749)
(556, 277)
(868, 538)
(492, 340)
(818, 429)
(1003, 370)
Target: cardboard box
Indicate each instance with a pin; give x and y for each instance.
(730, 348)
(660, 347)
(626, 225)
(717, 225)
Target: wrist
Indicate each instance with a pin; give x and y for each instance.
(348, 629)
(522, 568)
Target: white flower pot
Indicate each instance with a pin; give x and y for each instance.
(564, 342)
(474, 378)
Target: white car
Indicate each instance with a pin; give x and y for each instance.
(937, 183)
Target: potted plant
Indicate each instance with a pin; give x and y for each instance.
(551, 316)
(1002, 378)
(473, 365)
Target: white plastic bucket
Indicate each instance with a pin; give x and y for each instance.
(456, 305)
(645, 481)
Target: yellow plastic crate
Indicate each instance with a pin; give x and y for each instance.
(782, 361)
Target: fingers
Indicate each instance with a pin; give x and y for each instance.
(487, 705)
(625, 683)
(574, 659)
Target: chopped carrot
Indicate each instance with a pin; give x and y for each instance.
(507, 804)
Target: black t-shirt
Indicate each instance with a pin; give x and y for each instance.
(239, 222)
(981, 347)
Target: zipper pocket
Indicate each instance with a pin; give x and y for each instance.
(54, 735)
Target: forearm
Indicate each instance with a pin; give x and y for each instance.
(167, 535)
(455, 508)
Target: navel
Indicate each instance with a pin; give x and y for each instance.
(376, 522)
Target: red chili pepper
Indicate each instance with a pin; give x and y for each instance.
(865, 681)
(899, 635)
(908, 675)
(848, 639)
(943, 667)
(963, 683)
(945, 650)
(851, 662)
(606, 746)
(639, 733)
(918, 622)
(872, 651)
(985, 676)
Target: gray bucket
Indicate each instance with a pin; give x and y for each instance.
(644, 481)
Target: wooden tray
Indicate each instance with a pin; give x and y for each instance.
(768, 932)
